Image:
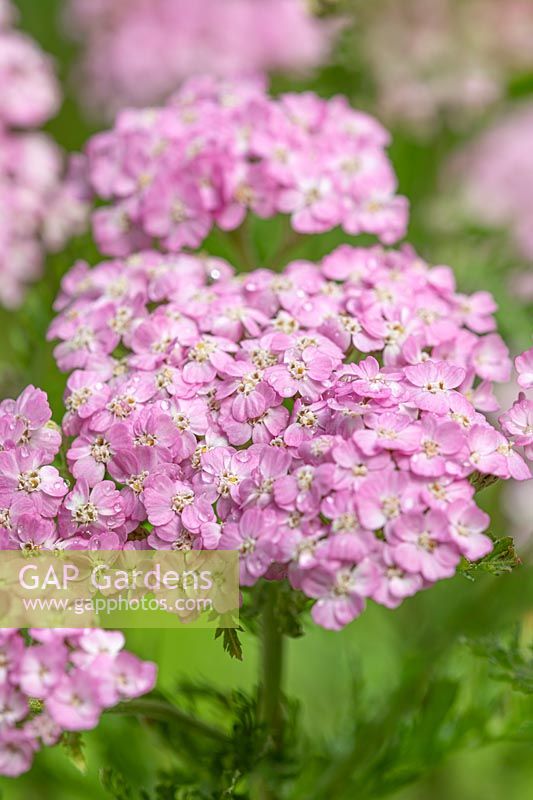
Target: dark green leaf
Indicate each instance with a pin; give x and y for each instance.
(74, 746)
(231, 642)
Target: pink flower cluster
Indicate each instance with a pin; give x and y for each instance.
(60, 680)
(324, 421)
(29, 92)
(63, 679)
(494, 174)
(219, 150)
(444, 59)
(33, 198)
(136, 52)
(518, 421)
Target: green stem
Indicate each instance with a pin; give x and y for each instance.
(271, 712)
(242, 247)
(291, 242)
(270, 699)
(165, 712)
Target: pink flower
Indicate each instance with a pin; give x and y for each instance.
(256, 158)
(11, 651)
(222, 474)
(75, 674)
(32, 411)
(241, 37)
(260, 487)
(434, 381)
(382, 498)
(13, 706)
(16, 752)
(396, 583)
(252, 537)
(518, 422)
(421, 544)
(171, 503)
(235, 395)
(89, 510)
(86, 394)
(306, 374)
(442, 491)
(23, 477)
(74, 703)
(313, 204)
(367, 380)
(477, 310)
(250, 396)
(304, 488)
(32, 532)
(524, 367)
(91, 454)
(467, 523)
(439, 448)
(125, 677)
(152, 428)
(352, 466)
(41, 669)
(482, 443)
(94, 642)
(387, 431)
(491, 359)
(340, 595)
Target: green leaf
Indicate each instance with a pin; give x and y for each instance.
(115, 784)
(481, 481)
(74, 747)
(509, 661)
(501, 560)
(291, 605)
(230, 641)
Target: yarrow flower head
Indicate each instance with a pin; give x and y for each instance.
(219, 150)
(490, 179)
(53, 681)
(443, 60)
(227, 39)
(39, 206)
(326, 421)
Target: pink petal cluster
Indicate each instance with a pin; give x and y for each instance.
(33, 197)
(323, 421)
(138, 51)
(220, 150)
(60, 680)
(29, 91)
(494, 174)
(74, 674)
(443, 60)
(518, 420)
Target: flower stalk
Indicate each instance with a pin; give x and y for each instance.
(270, 696)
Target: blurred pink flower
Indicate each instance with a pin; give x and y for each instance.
(138, 51)
(493, 176)
(443, 60)
(39, 207)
